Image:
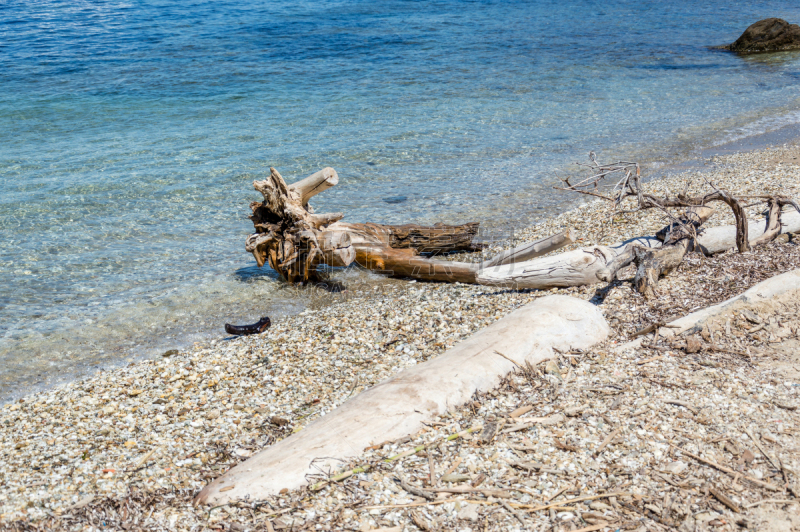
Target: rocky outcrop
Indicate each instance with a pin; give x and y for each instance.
(768, 35)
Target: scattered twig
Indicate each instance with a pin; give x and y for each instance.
(607, 440)
(425, 503)
(431, 470)
(500, 494)
(769, 458)
(532, 508)
(452, 467)
(650, 515)
(724, 499)
(421, 522)
(502, 355)
(657, 347)
(563, 446)
(653, 327)
(414, 490)
(684, 404)
(651, 359)
(594, 527)
(513, 512)
(773, 501)
(726, 469)
(361, 469)
(556, 494)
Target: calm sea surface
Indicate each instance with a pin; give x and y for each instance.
(130, 134)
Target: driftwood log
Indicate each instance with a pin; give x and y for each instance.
(601, 263)
(409, 400)
(295, 241)
(595, 264)
(654, 257)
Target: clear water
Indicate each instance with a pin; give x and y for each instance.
(130, 133)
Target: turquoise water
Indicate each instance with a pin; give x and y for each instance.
(130, 134)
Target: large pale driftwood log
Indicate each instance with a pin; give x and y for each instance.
(399, 406)
(580, 267)
(718, 239)
(598, 263)
(770, 291)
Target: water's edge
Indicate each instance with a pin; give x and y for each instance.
(297, 299)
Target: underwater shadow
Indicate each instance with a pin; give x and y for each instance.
(250, 274)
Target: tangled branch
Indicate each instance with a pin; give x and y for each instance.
(629, 185)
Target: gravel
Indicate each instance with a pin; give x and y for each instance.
(130, 447)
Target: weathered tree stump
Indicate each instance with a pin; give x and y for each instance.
(295, 241)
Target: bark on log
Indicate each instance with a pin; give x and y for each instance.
(580, 267)
(599, 263)
(438, 239)
(718, 239)
(531, 250)
(652, 264)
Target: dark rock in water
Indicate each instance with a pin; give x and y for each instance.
(395, 199)
(768, 35)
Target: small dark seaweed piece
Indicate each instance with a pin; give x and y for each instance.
(257, 328)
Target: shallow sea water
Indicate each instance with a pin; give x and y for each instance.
(130, 134)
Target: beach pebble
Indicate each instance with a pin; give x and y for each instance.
(469, 512)
(202, 410)
(676, 468)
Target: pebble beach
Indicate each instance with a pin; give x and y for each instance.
(128, 448)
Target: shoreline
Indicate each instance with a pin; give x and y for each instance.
(154, 423)
(495, 230)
